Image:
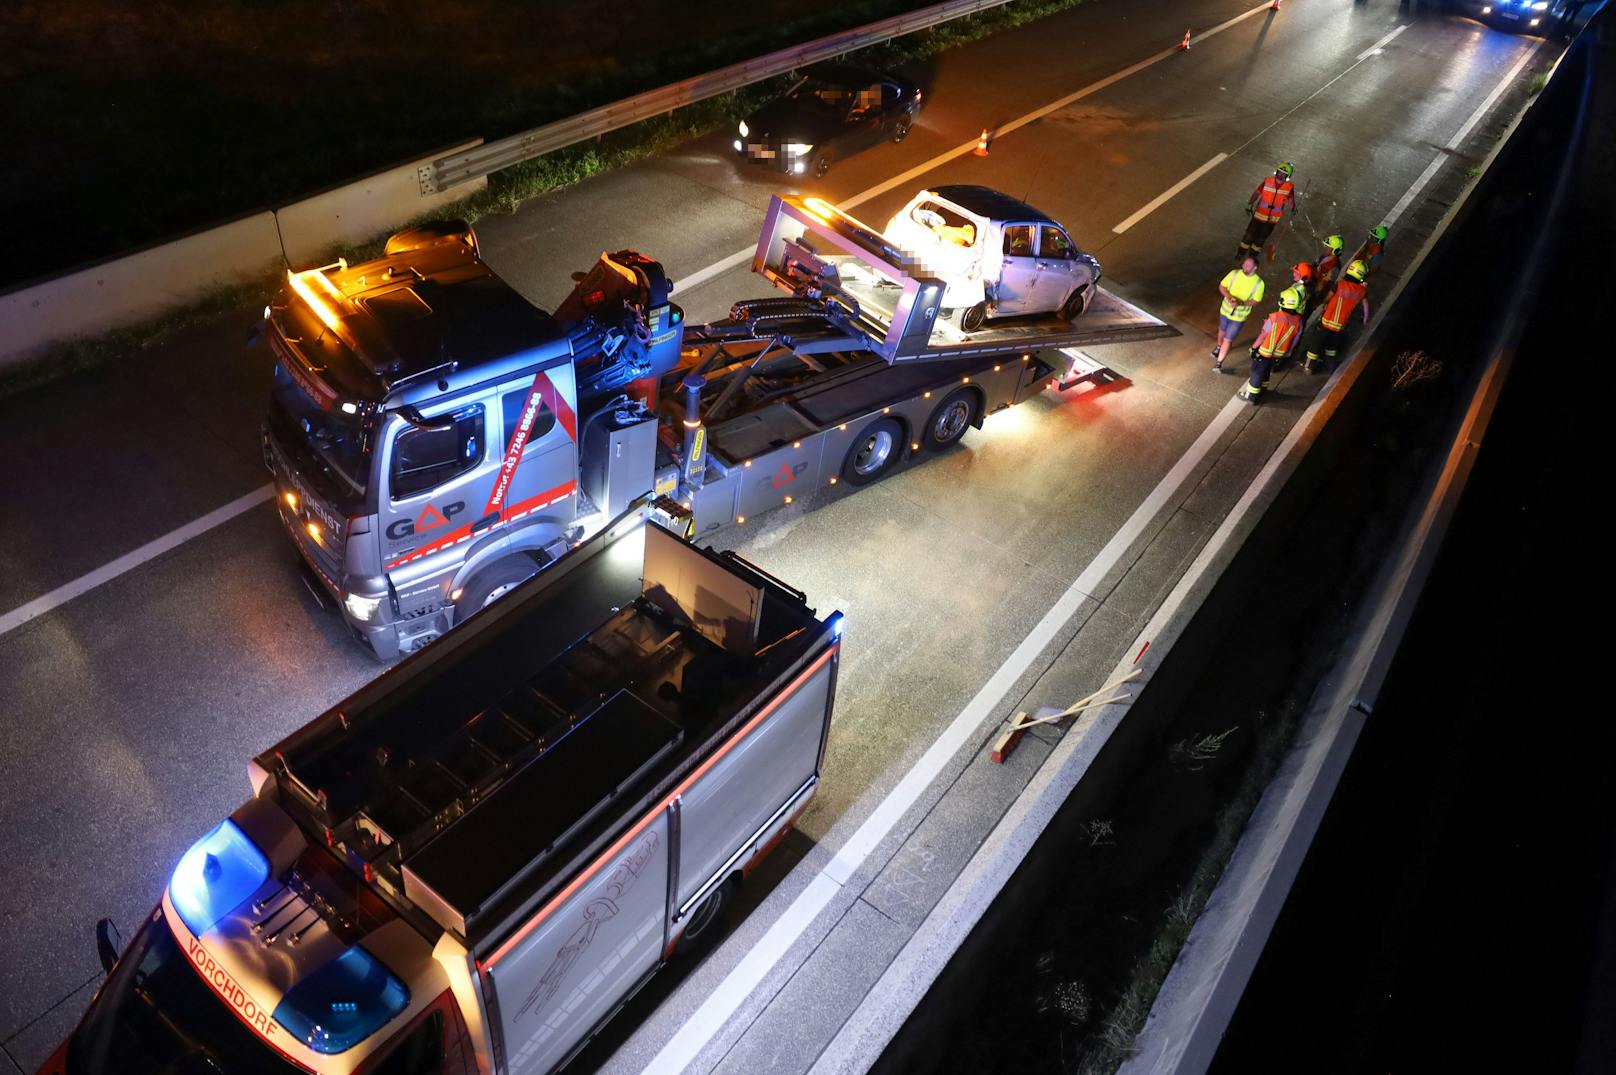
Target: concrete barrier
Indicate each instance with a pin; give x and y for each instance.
(148, 283)
(364, 209)
(136, 287)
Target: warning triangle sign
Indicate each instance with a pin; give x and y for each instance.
(783, 476)
(429, 518)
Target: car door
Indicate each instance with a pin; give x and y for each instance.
(863, 125)
(1018, 271)
(1058, 269)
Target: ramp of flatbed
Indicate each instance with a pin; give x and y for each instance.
(1109, 319)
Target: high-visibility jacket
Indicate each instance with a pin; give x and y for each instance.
(1342, 301)
(1278, 334)
(1329, 267)
(1369, 253)
(1272, 198)
(1247, 291)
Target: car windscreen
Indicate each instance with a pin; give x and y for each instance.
(156, 1016)
(338, 440)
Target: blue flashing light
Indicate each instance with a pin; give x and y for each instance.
(835, 622)
(342, 1003)
(212, 879)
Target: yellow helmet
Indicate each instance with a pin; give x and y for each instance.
(1291, 298)
(1334, 243)
(1357, 271)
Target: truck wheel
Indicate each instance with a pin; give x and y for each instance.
(493, 582)
(1077, 303)
(873, 452)
(707, 920)
(972, 317)
(951, 419)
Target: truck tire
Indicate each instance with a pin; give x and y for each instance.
(971, 317)
(874, 451)
(494, 582)
(952, 418)
(707, 920)
(1077, 303)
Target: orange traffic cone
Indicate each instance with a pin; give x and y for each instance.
(981, 149)
(1184, 45)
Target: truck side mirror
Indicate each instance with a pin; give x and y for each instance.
(108, 944)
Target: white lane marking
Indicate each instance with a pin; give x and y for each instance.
(1178, 187)
(724, 1000)
(131, 560)
(1458, 138)
(701, 276)
(1162, 198)
(1374, 50)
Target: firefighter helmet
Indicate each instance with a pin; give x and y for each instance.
(1303, 270)
(1335, 243)
(1378, 233)
(1286, 169)
(1357, 271)
(1291, 298)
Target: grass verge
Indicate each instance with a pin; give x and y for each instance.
(507, 190)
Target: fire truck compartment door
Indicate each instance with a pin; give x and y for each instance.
(590, 949)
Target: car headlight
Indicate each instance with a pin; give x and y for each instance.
(798, 149)
(361, 608)
(1541, 5)
(738, 145)
(745, 130)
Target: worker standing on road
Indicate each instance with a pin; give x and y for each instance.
(1275, 340)
(1370, 253)
(1267, 206)
(1241, 289)
(1327, 266)
(1351, 293)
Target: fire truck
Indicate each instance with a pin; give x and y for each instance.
(435, 438)
(470, 864)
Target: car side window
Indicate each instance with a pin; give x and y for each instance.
(866, 102)
(426, 458)
(944, 223)
(1018, 240)
(1053, 243)
(511, 404)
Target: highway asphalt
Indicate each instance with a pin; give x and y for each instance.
(131, 710)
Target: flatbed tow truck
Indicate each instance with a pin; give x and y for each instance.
(435, 439)
(472, 863)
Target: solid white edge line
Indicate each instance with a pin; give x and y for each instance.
(1161, 199)
(1459, 136)
(726, 998)
(131, 560)
(701, 276)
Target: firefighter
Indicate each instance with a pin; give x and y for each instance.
(1374, 246)
(1305, 278)
(1275, 340)
(1267, 206)
(1241, 289)
(1327, 267)
(1351, 293)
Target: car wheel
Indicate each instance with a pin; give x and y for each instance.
(951, 419)
(493, 582)
(971, 317)
(874, 452)
(901, 131)
(1077, 303)
(707, 920)
(821, 165)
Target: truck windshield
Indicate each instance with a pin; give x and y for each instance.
(155, 1016)
(337, 439)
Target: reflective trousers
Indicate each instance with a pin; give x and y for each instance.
(1257, 233)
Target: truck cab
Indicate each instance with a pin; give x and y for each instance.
(424, 427)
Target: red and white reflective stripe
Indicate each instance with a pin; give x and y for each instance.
(606, 857)
(543, 390)
(515, 511)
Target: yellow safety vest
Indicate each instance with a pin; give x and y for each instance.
(1247, 291)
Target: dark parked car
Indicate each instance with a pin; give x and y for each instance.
(833, 112)
(1522, 16)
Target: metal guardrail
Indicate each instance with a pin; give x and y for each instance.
(490, 157)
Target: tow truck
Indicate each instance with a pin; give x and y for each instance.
(471, 863)
(435, 438)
